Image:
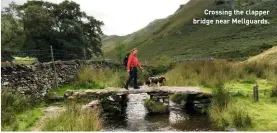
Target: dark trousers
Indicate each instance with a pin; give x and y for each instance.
(132, 75)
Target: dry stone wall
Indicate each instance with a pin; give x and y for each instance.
(37, 79)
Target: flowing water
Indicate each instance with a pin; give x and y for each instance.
(135, 118)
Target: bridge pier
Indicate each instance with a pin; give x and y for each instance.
(124, 99)
(157, 103)
(114, 98)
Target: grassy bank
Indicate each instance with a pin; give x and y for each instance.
(262, 113)
(210, 74)
(17, 112)
(74, 119)
(232, 85)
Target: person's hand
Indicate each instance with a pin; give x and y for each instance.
(128, 71)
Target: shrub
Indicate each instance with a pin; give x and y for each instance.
(74, 119)
(219, 118)
(12, 103)
(220, 102)
(241, 119)
(221, 98)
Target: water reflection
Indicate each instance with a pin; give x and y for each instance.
(135, 118)
(177, 115)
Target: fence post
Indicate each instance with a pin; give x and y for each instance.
(256, 93)
(53, 62)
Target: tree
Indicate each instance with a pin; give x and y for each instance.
(11, 29)
(12, 33)
(63, 26)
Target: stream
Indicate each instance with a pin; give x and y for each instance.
(135, 118)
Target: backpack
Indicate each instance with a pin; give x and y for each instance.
(125, 61)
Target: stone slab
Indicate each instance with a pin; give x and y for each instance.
(143, 89)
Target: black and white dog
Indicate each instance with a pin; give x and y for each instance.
(155, 80)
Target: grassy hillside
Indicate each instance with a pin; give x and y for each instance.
(268, 56)
(177, 37)
(110, 42)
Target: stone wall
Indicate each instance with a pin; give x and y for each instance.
(37, 79)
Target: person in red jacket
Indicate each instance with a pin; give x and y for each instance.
(132, 65)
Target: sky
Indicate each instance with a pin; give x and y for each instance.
(122, 17)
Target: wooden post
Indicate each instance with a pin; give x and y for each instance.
(53, 62)
(256, 93)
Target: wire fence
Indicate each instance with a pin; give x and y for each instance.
(46, 55)
(52, 54)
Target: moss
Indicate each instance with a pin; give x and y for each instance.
(155, 107)
(178, 98)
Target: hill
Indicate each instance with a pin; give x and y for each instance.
(269, 56)
(110, 42)
(177, 37)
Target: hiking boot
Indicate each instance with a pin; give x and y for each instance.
(137, 87)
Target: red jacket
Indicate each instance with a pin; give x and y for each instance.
(132, 61)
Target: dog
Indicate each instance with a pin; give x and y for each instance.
(155, 80)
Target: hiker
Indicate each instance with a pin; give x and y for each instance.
(132, 65)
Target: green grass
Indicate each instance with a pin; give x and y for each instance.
(102, 77)
(24, 60)
(231, 84)
(94, 78)
(28, 119)
(262, 114)
(74, 119)
(274, 89)
(247, 88)
(177, 37)
(18, 113)
(24, 121)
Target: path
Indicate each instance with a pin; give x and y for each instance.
(49, 112)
